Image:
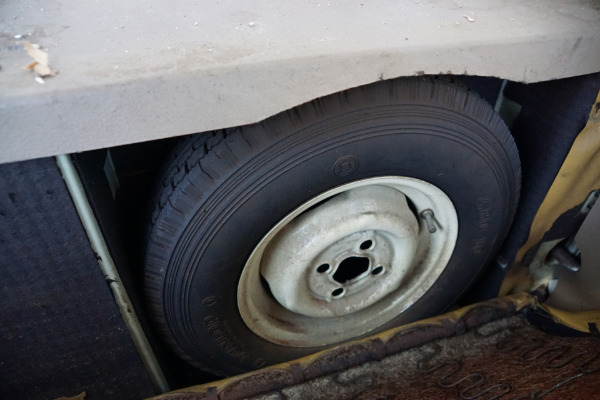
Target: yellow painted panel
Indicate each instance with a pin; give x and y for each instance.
(578, 176)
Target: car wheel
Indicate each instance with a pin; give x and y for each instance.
(345, 216)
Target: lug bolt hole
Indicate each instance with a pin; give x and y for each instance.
(377, 270)
(323, 268)
(366, 245)
(337, 292)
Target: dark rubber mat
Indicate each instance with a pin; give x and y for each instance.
(506, 359)
(485, 351)
(60, 330)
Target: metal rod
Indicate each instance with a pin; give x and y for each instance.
(94, 234)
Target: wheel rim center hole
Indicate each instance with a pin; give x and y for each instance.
(351, 268)
(366, 245)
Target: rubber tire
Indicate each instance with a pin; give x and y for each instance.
(223, 191)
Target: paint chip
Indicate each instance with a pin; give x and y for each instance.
(40, 60)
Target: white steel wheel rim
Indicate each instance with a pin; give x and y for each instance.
(347, 261)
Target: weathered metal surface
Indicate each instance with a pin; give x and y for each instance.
(583, 321)
(136, 71)
(301, 257)
(344, 357)
(579, 175)
(578, 291)
(570, 198)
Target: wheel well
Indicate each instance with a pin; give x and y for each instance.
(119, 180)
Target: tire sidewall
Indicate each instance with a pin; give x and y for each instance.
(256, 196)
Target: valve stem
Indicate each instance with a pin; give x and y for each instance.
(427, 215)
